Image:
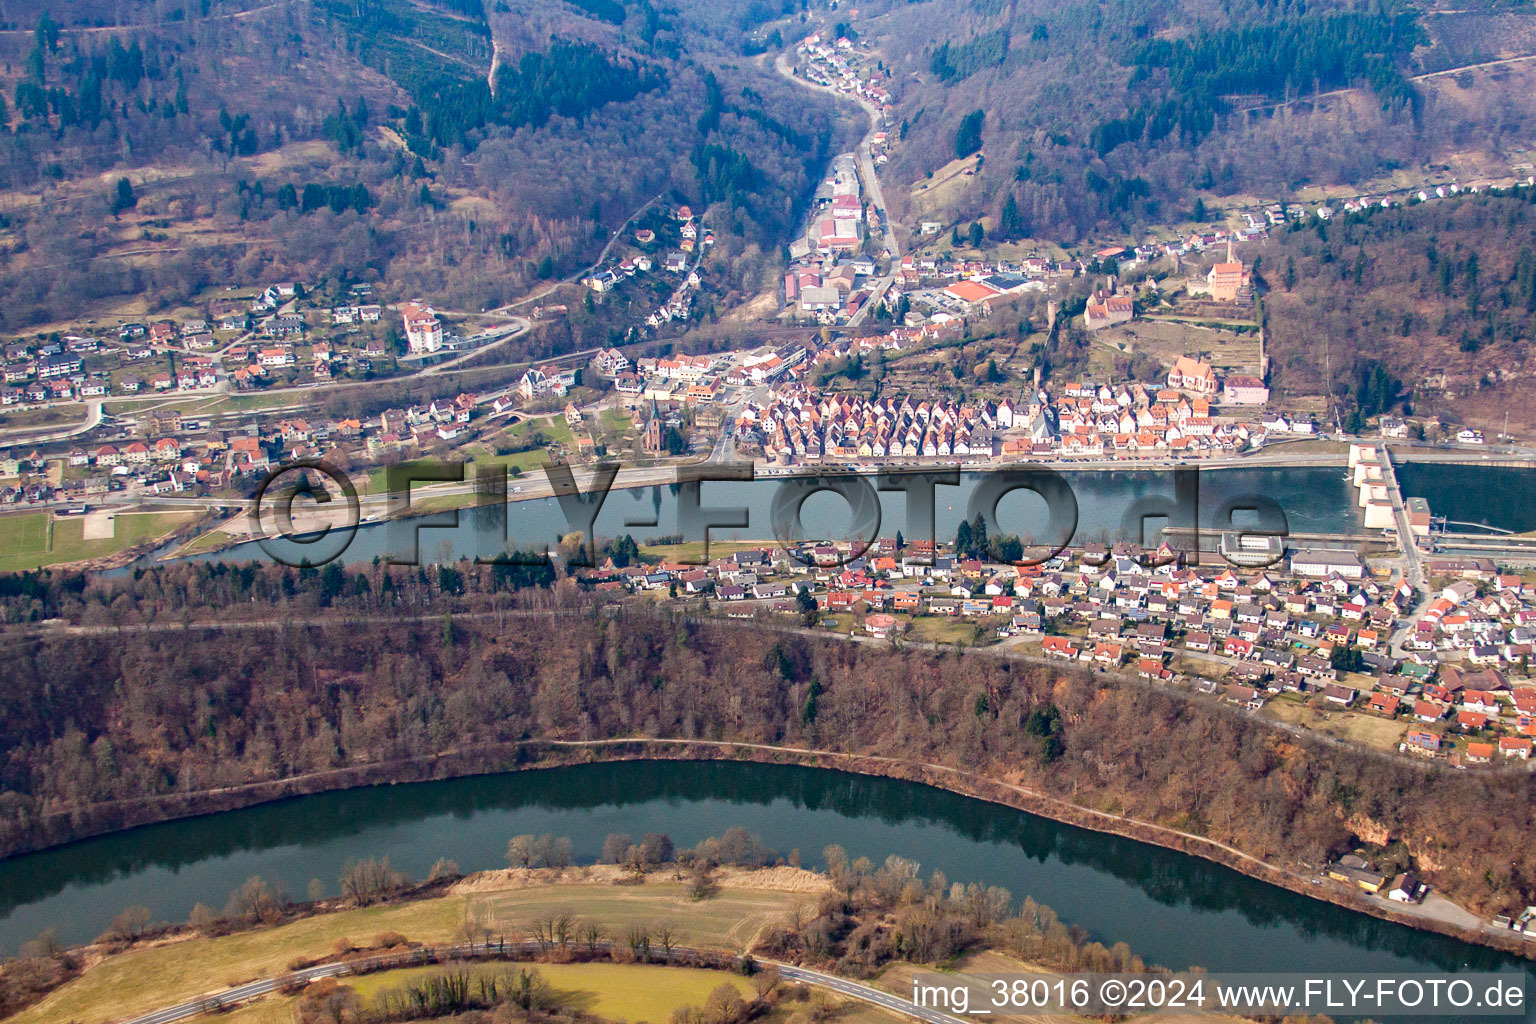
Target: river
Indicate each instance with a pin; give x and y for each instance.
(1313, 500)
(1490, 495)
(1171, 908)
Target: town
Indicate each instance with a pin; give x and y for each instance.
(607, 512)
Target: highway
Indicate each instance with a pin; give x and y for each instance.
(214, 1001)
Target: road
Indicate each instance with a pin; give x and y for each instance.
(307, 392)
(871, 184)
(23, 435)
(854, 990)
(1310, 97)
(584, 271)
(1413, 571)
(519, 326)
(228, 997)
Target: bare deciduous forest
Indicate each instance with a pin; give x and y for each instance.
(470, 194)
(365, 669)
(1109, 119)
(1438, 289)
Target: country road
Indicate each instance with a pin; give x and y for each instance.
(517, 951)
(575, 276)
(1426, 76)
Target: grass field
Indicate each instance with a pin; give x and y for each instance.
(554, 429)
(526, 462)
(257, 401)
(947, 629)
(24, 538)
(622, 992)
(1358, 727)
(23, 534)
(729, 920)
(693, 551)
(47, 416)
(143, 979)
(617, 420)
(203, 542)
(198, 405)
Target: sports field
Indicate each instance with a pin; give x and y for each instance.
(28, 540)
(23, 534)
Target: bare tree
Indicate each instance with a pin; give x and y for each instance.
(639, 938)
(615, 846)
(544, 931)
(129, 925)
(256, 900)
(203, 917)
(666, 936)
(563, 928)
(366, 881)
(520, 851)
(46, 944)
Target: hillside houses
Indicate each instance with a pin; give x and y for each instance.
(1244, 636)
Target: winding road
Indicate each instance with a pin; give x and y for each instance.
(871, 183)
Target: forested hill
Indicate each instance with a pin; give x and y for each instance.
(1427, 308)
(368, 675)
(466, 183)
(1105, 118)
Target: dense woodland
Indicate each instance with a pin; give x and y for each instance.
(478, 186)
(1442, 288)
(1107, 119)
(368, 669)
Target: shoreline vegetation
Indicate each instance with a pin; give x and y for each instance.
(537, 755)
(730, 903)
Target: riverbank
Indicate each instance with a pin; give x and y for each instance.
(540, 754)
(1423, 916)
(184, 962)
(1316, 501)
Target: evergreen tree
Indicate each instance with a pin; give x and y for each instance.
(1011, 224)
(968, 134)
(123, 198)
(979, 533)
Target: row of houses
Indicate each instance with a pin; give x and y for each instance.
(1244, 636)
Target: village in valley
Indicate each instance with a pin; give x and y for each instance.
(1049, 485)
(873, 359)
